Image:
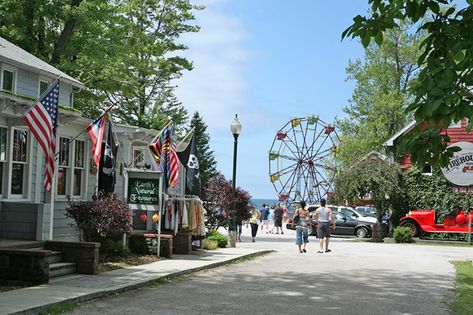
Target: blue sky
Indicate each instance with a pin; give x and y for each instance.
(267, 61)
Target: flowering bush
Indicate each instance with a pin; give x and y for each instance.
(100, 218)
(218, 198)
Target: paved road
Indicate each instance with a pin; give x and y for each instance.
(355, 278)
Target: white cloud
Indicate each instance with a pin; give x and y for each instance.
(216, 87)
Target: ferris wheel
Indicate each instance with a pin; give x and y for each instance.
(302, 162)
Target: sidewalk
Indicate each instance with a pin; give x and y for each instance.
(79, 288)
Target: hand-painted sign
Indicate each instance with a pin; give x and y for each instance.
(144, 191)
(460, 168)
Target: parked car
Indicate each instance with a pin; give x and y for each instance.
(366, 210)
(371, 211)
(345, 225)
(348, 211)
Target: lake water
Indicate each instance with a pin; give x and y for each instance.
(258, 203)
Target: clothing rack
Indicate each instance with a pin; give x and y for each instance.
(181, 197)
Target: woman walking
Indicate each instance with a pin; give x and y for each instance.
(302, 223)
(255, 215)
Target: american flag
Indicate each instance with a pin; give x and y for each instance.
(173, 170)
(42, 120)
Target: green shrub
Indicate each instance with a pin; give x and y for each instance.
(218, 237)
(111, 250)
(209, 244)
(402, 234)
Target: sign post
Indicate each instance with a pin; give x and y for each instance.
(144, 191)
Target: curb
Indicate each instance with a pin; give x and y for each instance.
(151, 280)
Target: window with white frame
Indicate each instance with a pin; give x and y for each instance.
(19, 162)
(138, 157)
(457, 124)
(427, 169)
(3, 156)
(79, 168)
(63, 166)
(43, 86)
(8, 79)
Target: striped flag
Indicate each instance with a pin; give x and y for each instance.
(42, 120)
(173, 170)
(96, 130)
(164, 154)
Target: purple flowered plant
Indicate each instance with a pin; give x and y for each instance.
(106, 216)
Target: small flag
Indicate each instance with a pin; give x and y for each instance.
(192, 174)
(96, 130)
(108, 162)
(42, 120)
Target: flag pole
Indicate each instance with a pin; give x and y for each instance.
(188, 134)
(83, 130)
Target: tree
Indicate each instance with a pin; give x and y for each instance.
(217, 194)
(442, 91)
(376, 109)
(379, 179)
(207, 163)
(121, 50)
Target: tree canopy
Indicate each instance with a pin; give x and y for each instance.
(442, 91)
(121, 50)
(205, 156)
(377, 107)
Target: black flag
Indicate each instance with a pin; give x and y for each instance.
(107, 163)
(192, 173)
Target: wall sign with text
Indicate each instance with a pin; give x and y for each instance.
(460, 168)
(143, 191)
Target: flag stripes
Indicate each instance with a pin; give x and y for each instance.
(96, 130)
(42, 121)
(164, 152)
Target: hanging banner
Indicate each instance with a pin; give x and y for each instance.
(460, 168)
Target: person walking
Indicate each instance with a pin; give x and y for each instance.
(255, 215)
(264, 218)
(239, 225)
(271, 220)
(302, 218)
(278, 218)
(284, 213)
(323, 216)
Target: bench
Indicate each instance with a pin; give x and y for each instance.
(149, 246)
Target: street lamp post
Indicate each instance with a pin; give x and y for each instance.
(236, 129)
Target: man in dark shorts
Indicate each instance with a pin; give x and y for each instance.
(264, 218)
(323, 216)
(278, 218)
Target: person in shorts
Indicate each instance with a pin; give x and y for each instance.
(278, 212)
(302, 227)
(264, 218)
(323, 217)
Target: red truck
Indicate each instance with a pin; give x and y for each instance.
(424, 221)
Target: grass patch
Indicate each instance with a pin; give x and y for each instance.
(60, 308)
(463, 291)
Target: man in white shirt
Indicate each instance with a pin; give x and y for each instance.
(323, 216)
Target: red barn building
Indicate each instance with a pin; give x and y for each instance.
(457, 133)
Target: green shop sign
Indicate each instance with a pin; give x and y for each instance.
(143, 191)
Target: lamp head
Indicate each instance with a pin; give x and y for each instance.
(235, 126)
